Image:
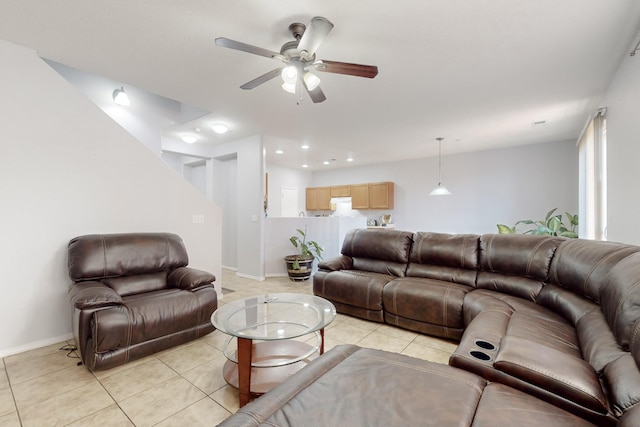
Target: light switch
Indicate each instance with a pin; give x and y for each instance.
(197, 219)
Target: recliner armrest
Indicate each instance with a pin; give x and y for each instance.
(93, 294)
(189, 278)
(341, 262)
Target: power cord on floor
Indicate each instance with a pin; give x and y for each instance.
(71, 351)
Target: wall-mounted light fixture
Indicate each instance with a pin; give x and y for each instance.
(120, 97)
(440, 190)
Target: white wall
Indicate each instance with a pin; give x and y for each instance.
(622, 100)
(249, 193)
(67, 169)
(489, 187)
(285, 177)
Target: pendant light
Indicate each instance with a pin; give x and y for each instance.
(120, 97)
(440, 190)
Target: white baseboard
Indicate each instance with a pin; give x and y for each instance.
(247, 276)
(32, 346)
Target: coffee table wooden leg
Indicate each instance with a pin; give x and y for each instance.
(244, 370)
(322, 341)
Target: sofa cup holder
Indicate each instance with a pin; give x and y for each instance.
(486, 345)
(480, 355)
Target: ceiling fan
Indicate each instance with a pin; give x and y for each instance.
(299, 57)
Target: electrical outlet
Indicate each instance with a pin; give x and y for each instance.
(197, 219)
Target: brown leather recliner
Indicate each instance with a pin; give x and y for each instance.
(133, 295)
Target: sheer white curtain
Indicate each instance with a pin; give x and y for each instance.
(592, 148)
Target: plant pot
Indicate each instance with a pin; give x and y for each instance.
(305, 265)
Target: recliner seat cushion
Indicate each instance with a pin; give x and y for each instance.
(426, 300)
(144, 317)
(352, 287)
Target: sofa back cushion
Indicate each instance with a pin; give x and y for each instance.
(582, 265)
(516, 264)
(379, 251)
(620, 298)
(448, 257)
(99, 256)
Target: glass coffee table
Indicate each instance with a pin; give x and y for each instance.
(274, 321)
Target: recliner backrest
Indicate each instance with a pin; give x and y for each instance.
(516, 264)
(105, 256)
(380, 251)
(448, 257)
(582, 265)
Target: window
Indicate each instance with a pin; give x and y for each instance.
(592, 149)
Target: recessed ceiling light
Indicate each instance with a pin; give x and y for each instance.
(220, 128)
(305, 146)
(189, 139)
(305, 166)
(349, 159)
(326, 162)
(279, 152)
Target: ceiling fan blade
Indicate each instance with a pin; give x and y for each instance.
(232, 44)
(369, 71)
(313, 36)
(316, 95)
(262, 79)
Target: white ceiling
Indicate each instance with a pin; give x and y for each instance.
(477, 73)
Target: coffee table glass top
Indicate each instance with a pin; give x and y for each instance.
(274, 316)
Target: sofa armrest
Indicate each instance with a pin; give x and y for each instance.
(338, 263)
(189, 278)
(93, 294)
(550, 369)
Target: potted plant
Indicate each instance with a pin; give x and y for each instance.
(300, 265)
(552, 225)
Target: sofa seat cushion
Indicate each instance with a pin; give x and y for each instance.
(145, 317)
(357, 288)
(353, 386)
(503, 406)
(480, 300)
(567, 376)
(426, 300)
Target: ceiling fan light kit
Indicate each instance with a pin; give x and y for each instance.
(299, 56)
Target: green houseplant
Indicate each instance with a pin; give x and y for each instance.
(300, 265)
(552, 225)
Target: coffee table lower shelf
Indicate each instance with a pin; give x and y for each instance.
(264, 378)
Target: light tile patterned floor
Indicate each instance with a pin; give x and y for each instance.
(182, 386)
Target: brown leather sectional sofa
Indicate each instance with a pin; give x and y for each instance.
(133, 295)
(548, 331)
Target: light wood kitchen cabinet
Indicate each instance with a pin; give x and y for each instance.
(318, 198)
(311, 199)
(381, 195)
(324, 198)
(377, 195)
(341, 191)
(359, 196)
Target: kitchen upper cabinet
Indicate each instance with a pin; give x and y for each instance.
(359, 196)
(318, 198)
(341, 191)
(381, 195)
(377, 195)
(311, 199)
(324, 198)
